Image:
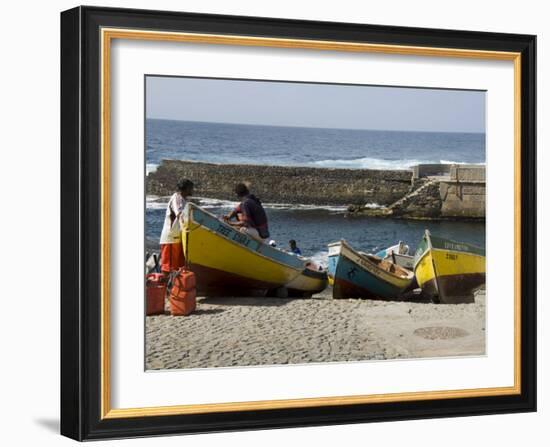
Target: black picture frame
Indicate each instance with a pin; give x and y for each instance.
(81, 223)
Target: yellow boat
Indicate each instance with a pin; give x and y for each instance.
(449, 271)
(310, 281)
(228, 262)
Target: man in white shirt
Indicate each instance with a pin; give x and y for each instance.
(171, 250)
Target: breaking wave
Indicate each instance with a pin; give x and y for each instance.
(150, 167)
(447, 162)
(379, 163)
(320, 258)
(160, 202)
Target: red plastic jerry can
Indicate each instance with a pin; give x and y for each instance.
(155, 286)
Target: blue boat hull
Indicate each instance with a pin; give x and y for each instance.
(353, 280)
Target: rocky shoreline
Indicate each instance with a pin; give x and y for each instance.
(283, 184)
(429, 192)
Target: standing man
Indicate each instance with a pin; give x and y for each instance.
(251, 213)
(171, 250)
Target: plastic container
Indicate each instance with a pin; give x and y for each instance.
(183, 295)
(184, 280)
(155, 287)
(183, 303)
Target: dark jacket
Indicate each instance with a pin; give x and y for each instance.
(254, 214)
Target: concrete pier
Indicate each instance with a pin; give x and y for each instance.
(448, 191)
(463, 195)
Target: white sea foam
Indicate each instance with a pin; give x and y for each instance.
(160, 202)
(156, 202)
(366, 163)
(150, 167)
(373, 205)
(208, 203)
(379, 163)
(320, 258)
(447, 162)
(354, 163)
(301, 207)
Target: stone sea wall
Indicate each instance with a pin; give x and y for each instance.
(449, 192)
(283, 184)
(423, 202)
(424, 192)
(463, 195)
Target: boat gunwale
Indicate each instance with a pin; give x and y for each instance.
(408, 279)
(417, 261)
(315, 274)
(299, 270)
(322, 284)
(430, 249)
(472, 247)
(409, 276)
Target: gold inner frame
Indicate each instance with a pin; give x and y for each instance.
(107, 35)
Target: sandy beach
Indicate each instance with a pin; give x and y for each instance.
(226, 332)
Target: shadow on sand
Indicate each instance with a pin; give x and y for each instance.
(242, 301)
(208, 311)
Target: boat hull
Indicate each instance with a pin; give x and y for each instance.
(449, 272)
(215, 282)
(307, 283)
(357, 276)
(227, 262)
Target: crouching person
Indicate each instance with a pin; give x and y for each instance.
(252, 218)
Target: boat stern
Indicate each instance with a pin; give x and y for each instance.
(334, 250)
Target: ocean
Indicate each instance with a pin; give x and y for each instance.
(314, 227)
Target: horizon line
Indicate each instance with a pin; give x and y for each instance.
(314, 127)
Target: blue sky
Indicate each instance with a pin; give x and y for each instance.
(315, 105)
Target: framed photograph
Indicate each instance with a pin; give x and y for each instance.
(274, 223)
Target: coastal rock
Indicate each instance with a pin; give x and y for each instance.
(284, 184)
(458, 195)
(423, 202)
(425, 192)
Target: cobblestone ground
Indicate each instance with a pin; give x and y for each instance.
(267, 331)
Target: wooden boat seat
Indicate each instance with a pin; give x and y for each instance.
(389, 266)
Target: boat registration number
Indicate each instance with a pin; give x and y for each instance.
(232, 234)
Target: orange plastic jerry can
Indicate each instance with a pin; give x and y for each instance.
(155, 286)
(183, 295)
